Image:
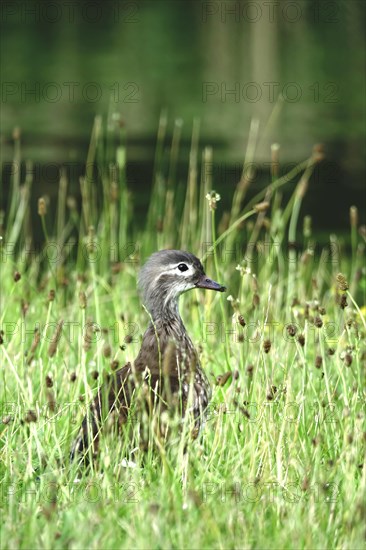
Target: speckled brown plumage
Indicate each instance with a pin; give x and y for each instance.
(167, 364)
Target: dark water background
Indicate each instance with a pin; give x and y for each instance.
(220, 62)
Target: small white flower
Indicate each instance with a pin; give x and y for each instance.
(213, 198)
(244, 270)
(128, 463)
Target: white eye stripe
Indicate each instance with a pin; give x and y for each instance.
(187, 273)
(175, 268)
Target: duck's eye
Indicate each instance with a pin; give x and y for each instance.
(182, 267)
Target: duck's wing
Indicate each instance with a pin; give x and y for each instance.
(152, 386)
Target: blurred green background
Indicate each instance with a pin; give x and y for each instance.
(297, 67)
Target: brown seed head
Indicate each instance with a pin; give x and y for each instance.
(291, 330)
(306, 256)
(353, 215)
(342, 282)
(49, 381)
(318, 152)
(51, 295)
(343, 301)
(31, 416)
(250, 369)
(262, 206)
(318, 361)
(24, 307)
(223, 378)
(42, 208)
(88, 336)
(116, 267)
(17, 276)
(267, 345)
(51, 400)
(107, 350)
(305, 484)
(241, 320)
(82, 300)
(55, 339)
(318, 322)
(271, 394)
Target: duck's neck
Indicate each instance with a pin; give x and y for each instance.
(166, 328)
(168, 320)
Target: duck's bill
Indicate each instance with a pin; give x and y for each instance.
(205, 282)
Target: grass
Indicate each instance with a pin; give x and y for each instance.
(280, 461)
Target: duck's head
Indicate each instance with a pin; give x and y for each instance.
(169, 273)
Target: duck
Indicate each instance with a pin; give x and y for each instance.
(167, 364)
